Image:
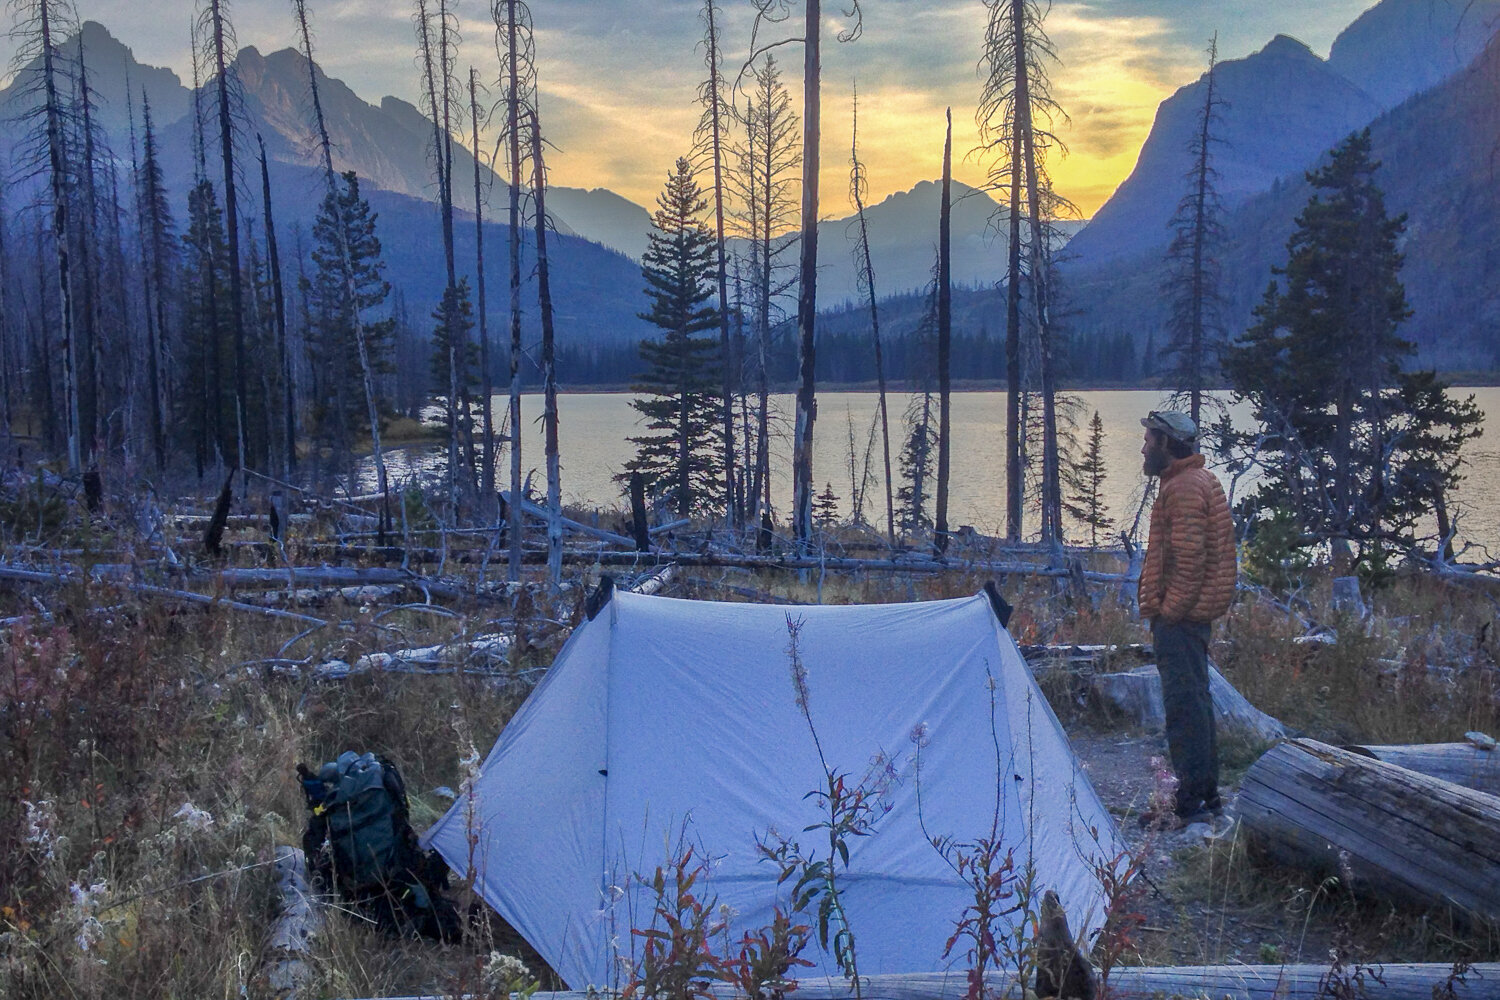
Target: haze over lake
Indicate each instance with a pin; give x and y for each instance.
(595, 428)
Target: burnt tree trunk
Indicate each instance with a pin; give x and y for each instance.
(944, 341)
(485, 388)
(549, 361)
(513, 135)
(807, 294)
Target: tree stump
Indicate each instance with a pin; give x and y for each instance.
(1393, 831)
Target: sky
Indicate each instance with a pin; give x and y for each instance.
(619, 77)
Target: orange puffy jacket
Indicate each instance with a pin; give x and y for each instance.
(1189, 572)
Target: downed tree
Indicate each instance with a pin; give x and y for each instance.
(1396, 832)
(288, 948)
(1461, 763)
(1405, 981)
(1136, 693)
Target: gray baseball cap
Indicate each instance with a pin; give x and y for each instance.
(1174, 424)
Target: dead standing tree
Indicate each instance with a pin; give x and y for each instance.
(944, 342)
(712, 142)
(807, 295)
(1015, 114)
(513, 41)
(346, 262)
(283, 347)
(549, 360)
(769, 161)
(218, 36)
(436, 91)
(1192, 285)
(487, 474)
(39, 21)
(865, 269)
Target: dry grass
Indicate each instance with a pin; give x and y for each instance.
(147, 772)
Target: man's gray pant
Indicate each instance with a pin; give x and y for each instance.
(1182, 662)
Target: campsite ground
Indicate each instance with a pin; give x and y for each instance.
(147, 750)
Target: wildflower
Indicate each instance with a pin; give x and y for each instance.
(194, 818)
(86, 900)
(794, 654)
(504, 970)
(919, 736)
(41, 818)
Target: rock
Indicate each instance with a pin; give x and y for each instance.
(1480, 740)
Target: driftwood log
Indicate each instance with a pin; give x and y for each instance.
(1461, 763)
(1414, 981)
(1396, 832)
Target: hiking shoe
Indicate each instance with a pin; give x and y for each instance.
(1200, 815)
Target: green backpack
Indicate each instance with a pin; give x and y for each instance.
(359, 810)
(358, 803)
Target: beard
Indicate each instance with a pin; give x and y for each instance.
(1156, 461)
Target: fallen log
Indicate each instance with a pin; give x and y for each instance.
(1136, 693)
(1461, 763)
(1396, 832)
(70, 575)
(1398, 981)
(1075, 655)
(288, 947)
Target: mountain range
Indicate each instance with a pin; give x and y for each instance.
(1406, 67)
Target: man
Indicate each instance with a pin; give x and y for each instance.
(1186, 582)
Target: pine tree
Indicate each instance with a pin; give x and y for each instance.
(1085, 483)
(454, 317)
(680, 459)
(1357, 447)
(919, 450)
(826, 507)
(346, 221)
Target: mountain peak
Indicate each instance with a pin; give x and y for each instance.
(1398, 48)
(1287, 47)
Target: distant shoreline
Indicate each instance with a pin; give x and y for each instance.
(1456, 380)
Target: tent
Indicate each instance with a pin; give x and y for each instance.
(666, 723)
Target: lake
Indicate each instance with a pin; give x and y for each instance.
(594, 428)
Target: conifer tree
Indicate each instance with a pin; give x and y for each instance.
(1085, 481)
(1355, 446)
(919, 451)
(454, 317)
(345, 224)
(826, 507)
(679, 457)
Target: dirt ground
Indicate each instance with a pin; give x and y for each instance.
(1208, 900)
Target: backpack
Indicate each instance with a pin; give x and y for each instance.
(359, 807)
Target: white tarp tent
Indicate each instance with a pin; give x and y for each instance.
(667, 721)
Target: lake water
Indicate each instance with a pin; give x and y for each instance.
(594, 428)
